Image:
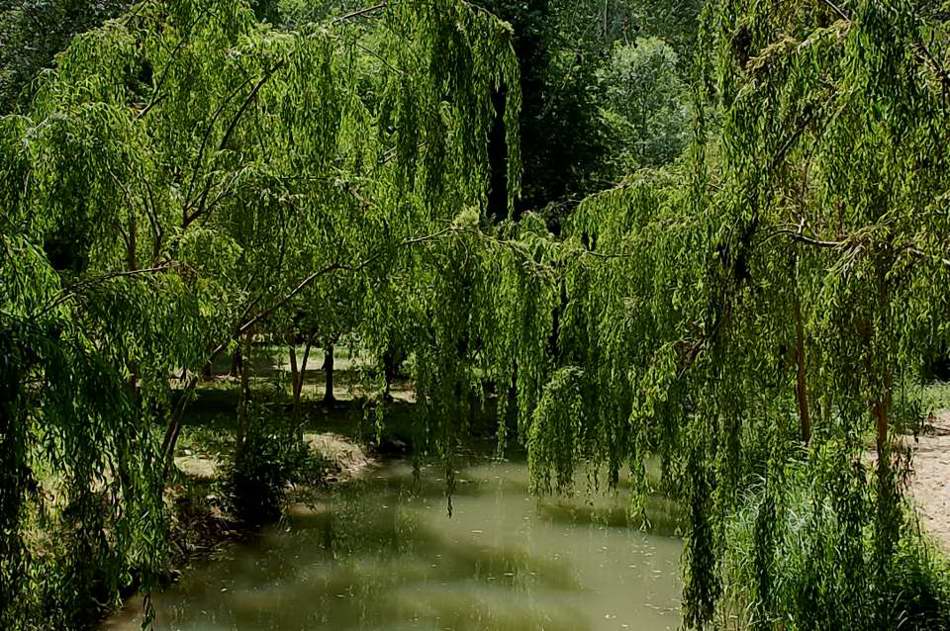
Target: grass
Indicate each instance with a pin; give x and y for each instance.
(824, 568)
(935, 397)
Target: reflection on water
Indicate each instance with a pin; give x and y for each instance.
(384, 554)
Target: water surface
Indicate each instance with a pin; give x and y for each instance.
(384, 554)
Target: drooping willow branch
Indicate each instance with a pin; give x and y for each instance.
(174, 426)
(72, 291)
(362, 12)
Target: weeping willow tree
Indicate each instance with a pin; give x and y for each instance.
(188, 178)
(756, 315)
(184, 174)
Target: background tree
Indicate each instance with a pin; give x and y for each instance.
(643, 106)
(32, 32)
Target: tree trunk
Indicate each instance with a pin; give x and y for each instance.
(132, 250)
(303, 371)
(328, 363)
(801, 383)
(174, 427)
(390, 368)
(299, 373)
(881, 410)
(244, 401)
(294, 370)
(235, 364)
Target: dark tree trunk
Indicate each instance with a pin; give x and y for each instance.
(294, 369)
(801, 383)
(174, 426)
(303, 368)
(299, 373)
(244, 402)
(391, 360)
(328, 364)
(235, 364)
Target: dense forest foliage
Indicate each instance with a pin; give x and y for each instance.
(715, 235)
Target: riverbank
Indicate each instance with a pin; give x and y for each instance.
(339, 435)
(335, 434)
(201, 517)
(343, 445)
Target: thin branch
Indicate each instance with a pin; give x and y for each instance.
(266, 313)
(188, 219)
(934, 63)
(72, 290)
(382, 59)
(925, 255)
(809, 116)
(361, 12)
(204, 142)
(153, 220)
(247, 102)
(334, 267)
(838, 10)
(156, 99)
(800, 237)
(148, 108)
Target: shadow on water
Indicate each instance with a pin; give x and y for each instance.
(383, 553)
(660, 515)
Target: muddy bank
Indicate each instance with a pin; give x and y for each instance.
(201, 521)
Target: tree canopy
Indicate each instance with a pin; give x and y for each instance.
(753, 312)
(750, 305)
(180, 178)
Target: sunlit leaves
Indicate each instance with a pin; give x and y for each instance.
(186, 176)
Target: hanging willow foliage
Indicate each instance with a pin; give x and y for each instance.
(754, 313)
(188, 178)
(186, 173)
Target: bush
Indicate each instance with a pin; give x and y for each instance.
(271, 459)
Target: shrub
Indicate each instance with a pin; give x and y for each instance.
(271, 459)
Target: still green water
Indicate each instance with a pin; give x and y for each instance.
(384, 554)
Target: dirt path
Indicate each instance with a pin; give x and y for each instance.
(930, 485)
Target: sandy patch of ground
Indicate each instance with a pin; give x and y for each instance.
(348, 457)
(200, 467)
(930, 485)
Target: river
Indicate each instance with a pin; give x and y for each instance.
(383, 553)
